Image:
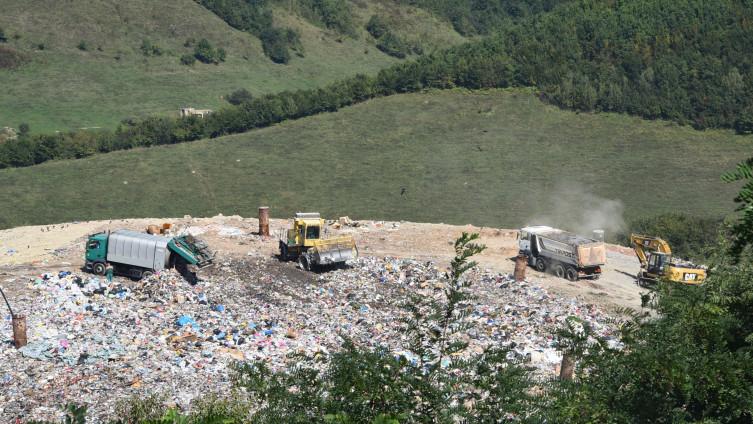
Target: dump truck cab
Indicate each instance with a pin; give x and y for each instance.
(306, 242)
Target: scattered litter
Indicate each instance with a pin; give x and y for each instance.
(97, 343)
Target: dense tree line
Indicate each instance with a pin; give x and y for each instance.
(474, 17)
(686, 61)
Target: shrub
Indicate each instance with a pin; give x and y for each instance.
(239, 96)
(393, 45)
(3, 38)
(150, 49)
(377, 27)
(82, 45)
(10, 58)
(334, 14)
(205, 53)
(387, 41)
(255, 17)
(275, 44)
(188, 59)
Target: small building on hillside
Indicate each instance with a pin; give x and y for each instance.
(8, 133)
(189, 111)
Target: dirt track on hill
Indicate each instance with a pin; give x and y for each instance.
(37, 249)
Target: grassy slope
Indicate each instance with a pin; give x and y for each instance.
(492, 158)
(66, 88)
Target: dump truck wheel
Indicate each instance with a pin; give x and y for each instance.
(146, 274)
(559, 271)
(571, 274)
(303, 260)
(540, 265)
(99, 268)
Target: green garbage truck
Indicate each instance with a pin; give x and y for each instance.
(139, 255)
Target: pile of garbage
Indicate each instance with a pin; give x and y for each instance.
(97, 342)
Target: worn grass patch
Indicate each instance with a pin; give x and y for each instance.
(495, 158)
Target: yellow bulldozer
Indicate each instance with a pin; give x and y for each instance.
(306, 244)
(657, 262)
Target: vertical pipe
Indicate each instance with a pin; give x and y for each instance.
(567, 368)
(19, 331)
(264, 221)
(521, 262)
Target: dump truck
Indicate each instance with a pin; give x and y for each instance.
(657, 262)
(305, 242)
(139, 255)
(565, 254)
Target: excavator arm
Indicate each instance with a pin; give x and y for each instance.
(647, 244)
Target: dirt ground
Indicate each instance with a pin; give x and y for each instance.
(38, 249)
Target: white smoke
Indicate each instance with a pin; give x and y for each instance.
(574, 208)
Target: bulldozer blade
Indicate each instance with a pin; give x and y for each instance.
(335, 255)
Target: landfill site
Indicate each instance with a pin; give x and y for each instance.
(97, 339)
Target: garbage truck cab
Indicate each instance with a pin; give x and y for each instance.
(96, 253)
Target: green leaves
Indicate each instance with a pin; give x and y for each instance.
(743, 229)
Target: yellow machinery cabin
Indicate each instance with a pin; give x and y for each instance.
(657, 262)
(305, 243)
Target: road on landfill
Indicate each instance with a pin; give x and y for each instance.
(37, 249)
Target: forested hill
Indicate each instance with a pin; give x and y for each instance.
(687, 61)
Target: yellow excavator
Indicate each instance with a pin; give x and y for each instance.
(306, 244)
(657, 262)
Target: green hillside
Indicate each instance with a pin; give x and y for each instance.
(86, 67)
(498, 158)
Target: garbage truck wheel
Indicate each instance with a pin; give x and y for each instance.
(540, 265)
(99, 268)
(146, 274)
(559, 271)
(303, 260)
(571, 274)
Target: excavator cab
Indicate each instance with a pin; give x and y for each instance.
(657, 262)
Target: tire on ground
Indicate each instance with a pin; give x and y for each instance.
(540, 265)
(99, 268)
(571, 274)
(559, 270)
(303, 260)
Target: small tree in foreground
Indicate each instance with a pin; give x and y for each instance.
(440, 382)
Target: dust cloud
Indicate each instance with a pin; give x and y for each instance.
(575, 208)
